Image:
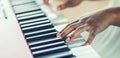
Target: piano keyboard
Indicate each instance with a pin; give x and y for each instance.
(39, 31)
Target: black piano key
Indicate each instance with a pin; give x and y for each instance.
(51, 52)
(33, 21)
(44, 43)
(38, 28)
(47, 47)
(40, 33)
(34, 24)
(42, 37)
(47, 34)
(68, 56)
(30, 18)
(28, 11)
(20, 16)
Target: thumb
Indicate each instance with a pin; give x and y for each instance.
(91, 37)
(61, 7)
(46, 2)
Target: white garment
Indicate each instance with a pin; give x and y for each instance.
(107, 43)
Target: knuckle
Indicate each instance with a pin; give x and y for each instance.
(72, 25)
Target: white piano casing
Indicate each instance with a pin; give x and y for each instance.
(13, 44)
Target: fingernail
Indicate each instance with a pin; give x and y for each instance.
(68, 40)
(86, 44)
(58, 35)
(59, 9)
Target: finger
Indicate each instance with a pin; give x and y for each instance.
(91, 37)
(69, 28)
(63, 5)
(77, 32)
(69, 3)
(65, 1)
(46, 2)
(66, 28)
(73, 24)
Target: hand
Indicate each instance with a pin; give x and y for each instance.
(46, 2)
(65, 4)
(94, 24)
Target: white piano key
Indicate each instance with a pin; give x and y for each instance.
(26, 10)
(41, 35)
(39, 2)
(46, 50)
(18, 2)
(36, 26)
(29, 13)
(77, 42)
(60, 27)
(25, 7)
(59, 20)
(42, 46)
(34, 23)
(58, 55)
(40, 14)
(85, 52)
(75, 45)
(43, 18)
(42, 41)
(39, 31)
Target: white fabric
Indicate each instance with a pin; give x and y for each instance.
(107, 43)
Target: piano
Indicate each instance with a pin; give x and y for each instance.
(38, 25)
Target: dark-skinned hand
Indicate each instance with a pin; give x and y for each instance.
(94, 24)
(65, 3)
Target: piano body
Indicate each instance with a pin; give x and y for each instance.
(28, 30)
